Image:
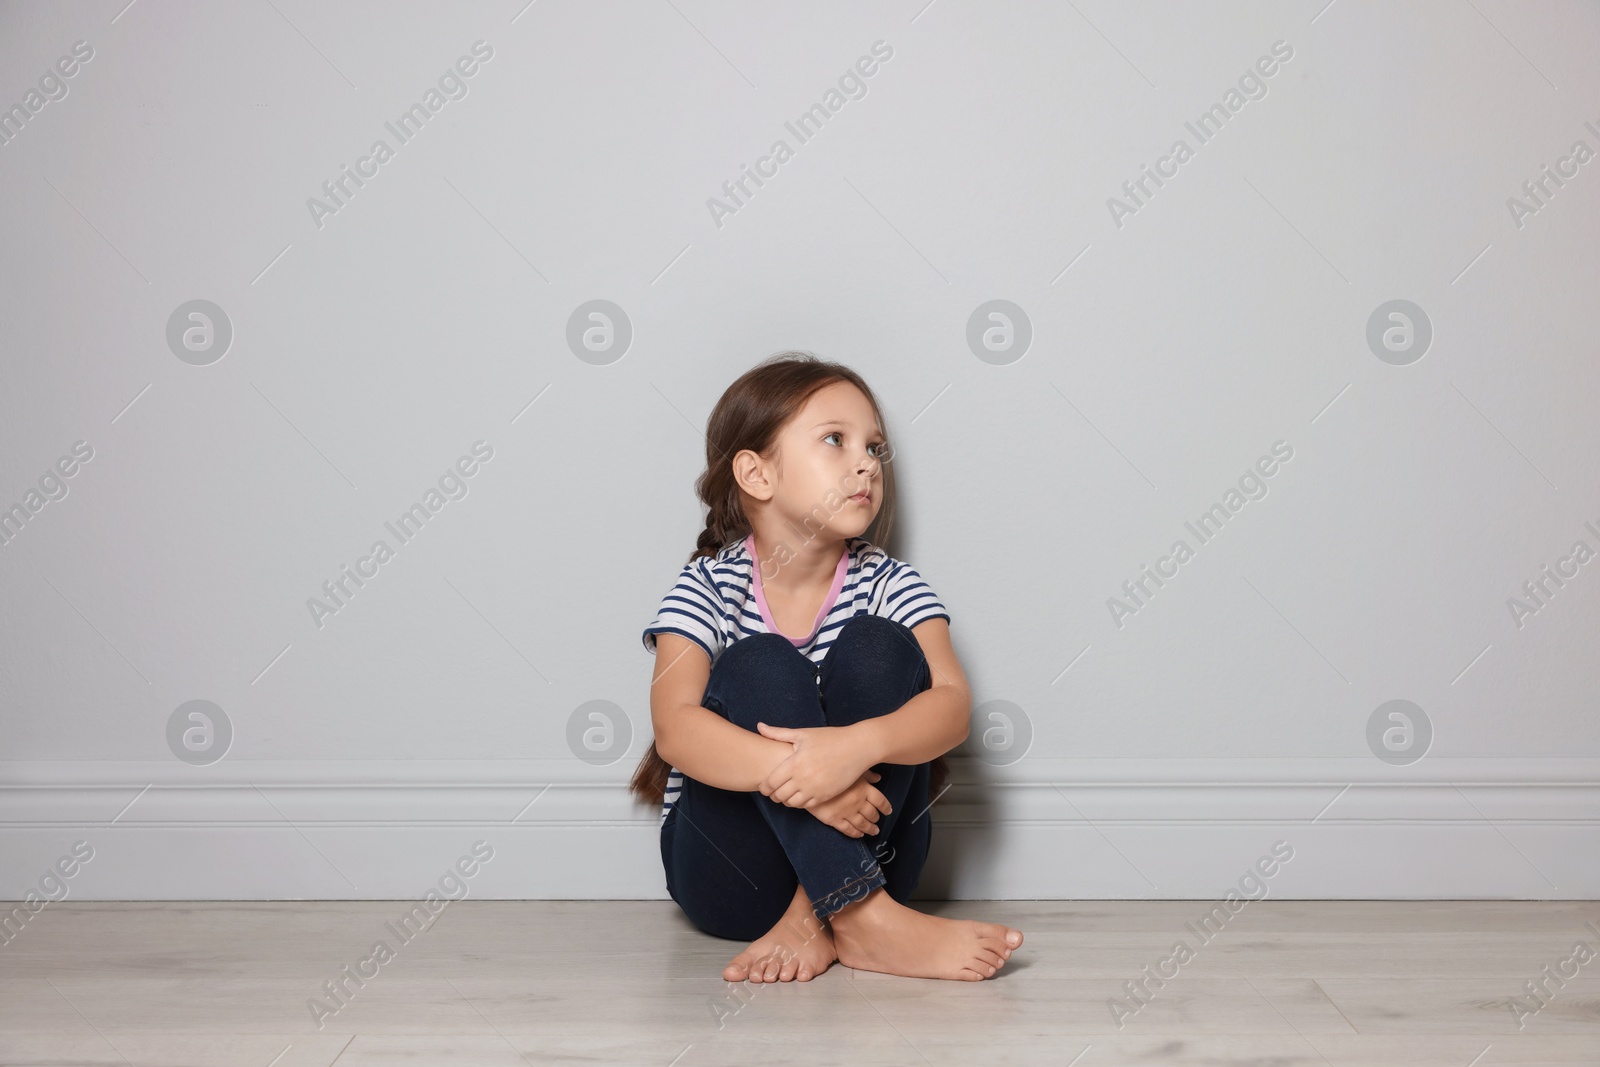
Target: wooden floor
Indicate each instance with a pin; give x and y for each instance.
(1357, 983)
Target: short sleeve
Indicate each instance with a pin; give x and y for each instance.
(691, 608)
(908, 599)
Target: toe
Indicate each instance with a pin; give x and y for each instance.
(787, 971)
(1013, 937)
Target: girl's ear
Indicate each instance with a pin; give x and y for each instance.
(750, 475)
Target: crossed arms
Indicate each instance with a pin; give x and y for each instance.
(807, 768)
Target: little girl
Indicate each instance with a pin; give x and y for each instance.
(805, 691)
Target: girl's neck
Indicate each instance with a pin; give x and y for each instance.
(786, 564)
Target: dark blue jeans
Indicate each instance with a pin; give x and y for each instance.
(733, 859)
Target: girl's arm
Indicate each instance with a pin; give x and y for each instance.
(695, 739)
(827, 759)
(930, 723)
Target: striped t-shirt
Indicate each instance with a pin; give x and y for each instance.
(718, 599)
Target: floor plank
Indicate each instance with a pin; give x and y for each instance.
(1325, 984)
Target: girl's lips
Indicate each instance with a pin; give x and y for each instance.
(862, 498)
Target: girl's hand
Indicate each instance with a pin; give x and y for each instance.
(824, 763)
(855, 811)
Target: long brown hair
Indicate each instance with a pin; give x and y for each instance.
(749, 415)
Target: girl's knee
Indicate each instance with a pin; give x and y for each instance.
(876, 644)
(764, 656)
(873, 623)
(880, 635)
(764, 678)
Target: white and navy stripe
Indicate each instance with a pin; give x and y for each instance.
(713, 603)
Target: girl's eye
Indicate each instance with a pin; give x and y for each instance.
(876, 450)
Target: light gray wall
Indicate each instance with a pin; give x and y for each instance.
(1237, 308)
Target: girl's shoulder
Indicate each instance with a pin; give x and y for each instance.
(882, 571)
(869, 556)
(732, 558)
(730, 564)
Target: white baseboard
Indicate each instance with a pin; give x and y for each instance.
(1064, 829)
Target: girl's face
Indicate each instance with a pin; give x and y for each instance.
(828, 469)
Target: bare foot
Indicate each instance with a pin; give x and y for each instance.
(878, 933)
(799, 946)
